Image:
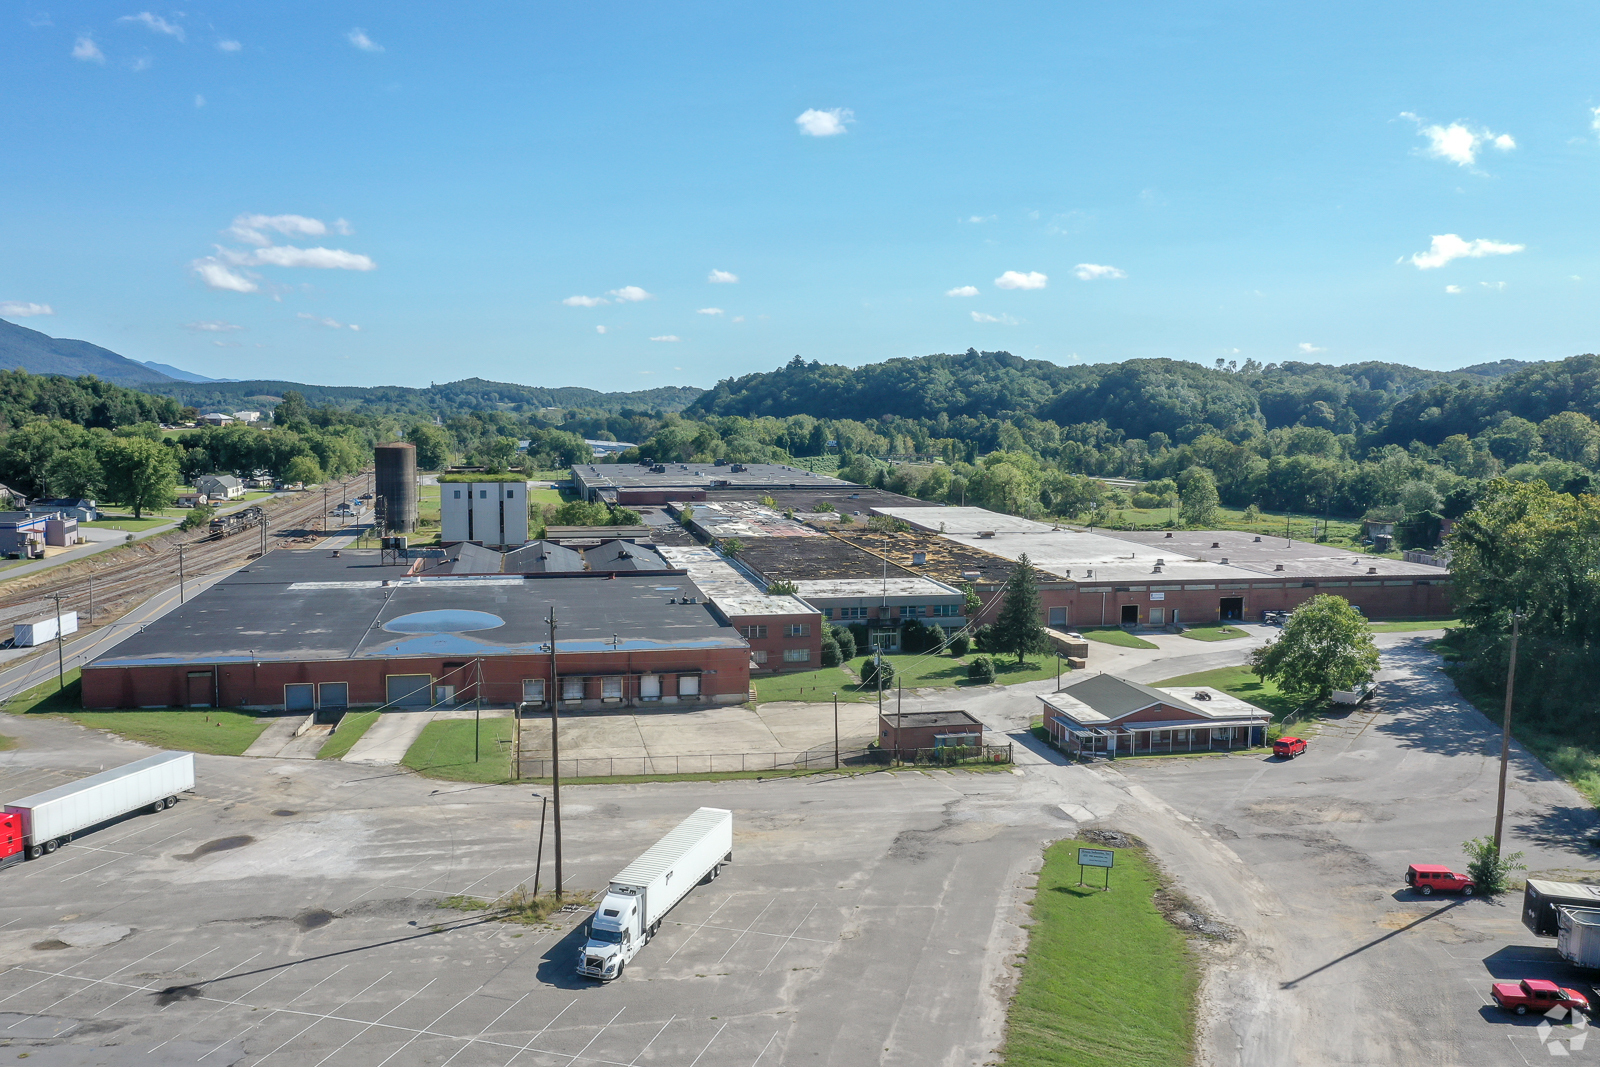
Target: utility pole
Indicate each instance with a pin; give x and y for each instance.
(477, 713)
(181, 547)
(1505, 736)
(61, 663)
(836, 731)
(555, 744)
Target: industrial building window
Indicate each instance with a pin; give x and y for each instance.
(752, 632)
(797, 655)
(511, 494)
(911, 611)
(458, 494)
(611, 689)
(572, 689)
(759, 655)
(947, 610)
(827, 613)
(852, 613)
(797, 629)
(533, 690)
(483, 494)
(688, 685)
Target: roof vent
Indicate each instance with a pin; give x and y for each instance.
(1372, 570)
(1201, 694)
(1224, 561)
(1216, 544)
(1169, 533)
(1161, 563)
(919, 559)
(1279, 567)
(1258, 539)
(972, 575)
(1156, 569)
(985, 533)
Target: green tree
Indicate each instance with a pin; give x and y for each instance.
(830, 650)
(433, 446)
(1488, 869)
(74, 473)
(303, 469)
(981, 670)
(292, 412)
(845, 638)
(1197, 494)
(139, 473)
(1017, 630)
(1326, 645)
(782, 587)
(581, 513)
(960, 645)
(732, 546)
(200, 516)
(877, 673)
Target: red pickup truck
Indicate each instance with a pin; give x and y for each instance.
(1288, 747)
(1536, 994)
(1431, 878)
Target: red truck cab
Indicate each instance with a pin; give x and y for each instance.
(11, 846)
(1288, 747)
(1536, 994)
(1431, 878)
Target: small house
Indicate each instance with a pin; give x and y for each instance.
(83, 510)
(247, 416)
(22, 536)
(219, 486)
(216, 418)
(1109, 716)
(904, 734)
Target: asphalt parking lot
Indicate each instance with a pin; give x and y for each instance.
(1360, 968)
(287, 913)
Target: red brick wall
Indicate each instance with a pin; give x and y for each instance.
(775, 643)
(1201, 606)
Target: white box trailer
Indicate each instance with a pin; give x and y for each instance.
(1578, 935)
(1354, 696)
(638, 898)
(34, 825)
(38, 631)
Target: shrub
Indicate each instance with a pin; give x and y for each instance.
(1487, 867)
(858, 630)
(200, 516)
(877, 674)
(846, 640)
(960, 645)
(982, 638)
(981, 671)
(830, 651)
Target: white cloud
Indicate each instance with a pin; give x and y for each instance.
(814, 123)
(86, 50)
(319, 258)
(962, 290)
(1448, 246)
(1308, 349)
(722, 277)
(343, 227)
(1459, 143)
(1090, 271)
(738, 318)
(21, 309)
(1452, 288)
(213, 326)
(229, 46)
(709, 311)
(156, 23)
(199, 101)
(217, 276)
(332, 324)
(585, 301)
(1497, 286)
(667, 337)
(359, 38)
(629, 294)
(143, 63)
(1594, 118)
(599, 329)
(1004, 320)
(248, 228)
(1013, 279)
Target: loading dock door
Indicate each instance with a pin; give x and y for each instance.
(297, 696)
(409, 690)
(1130, 615)
(198, 693)
(1231, 608)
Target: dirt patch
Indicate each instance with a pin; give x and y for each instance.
(312, 918)
(1438, 929)
(174, 994)
(285, 812)
(1111, 838)
(50, 945)
(221, 844)
(1300, 811)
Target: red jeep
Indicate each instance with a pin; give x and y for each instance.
(1536, 994)
(1431, 878)
(1288, 747)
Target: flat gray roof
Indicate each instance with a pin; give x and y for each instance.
(729, 589)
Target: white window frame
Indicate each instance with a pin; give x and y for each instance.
(759, 655)
(797, 655)
(533, 690)
(611, 687)
(571, 690)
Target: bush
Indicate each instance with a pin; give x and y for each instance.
(982, 637)
(830, 651)
(200, 516)
(858, 630)
(960, 645)
(981, 671)
(845, 640)
(1489, 869)
(877, 674)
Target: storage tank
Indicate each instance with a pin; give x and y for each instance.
(395, 473)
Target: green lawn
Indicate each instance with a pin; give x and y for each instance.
(910, 672)
(816, 686)
(351, 727)
(131, 524)
(7, 743)
(1239, 682)
(1113, 635)
(1402, 626)
(218, 732)
(445, 751)
(1215, 632)
(1107, 981)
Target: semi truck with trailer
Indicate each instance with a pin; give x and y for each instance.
(35, 825)
(1541, 901)
(638, 899)
(1578, 935)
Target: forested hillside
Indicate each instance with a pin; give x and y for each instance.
(449, 398)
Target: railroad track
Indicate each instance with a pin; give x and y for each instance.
(116, 580)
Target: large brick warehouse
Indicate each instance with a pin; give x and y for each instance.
(302, 630)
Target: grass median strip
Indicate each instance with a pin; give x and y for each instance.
(1107, 980)
(351, 727)
(1111, 635)
(445, 750)
(217, 731)
(1403, 626)
(1213, 633)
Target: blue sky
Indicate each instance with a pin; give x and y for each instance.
(631, 195)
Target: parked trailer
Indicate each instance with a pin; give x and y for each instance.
(237, 521)
(1541, 899)
(1578, 935)
(35, 825)
(637, 899)
(38, 631)
(1353, 696)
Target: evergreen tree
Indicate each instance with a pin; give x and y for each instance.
(1017, 630)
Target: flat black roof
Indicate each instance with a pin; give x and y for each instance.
(799, 559)
(911, 719)
(304, 605)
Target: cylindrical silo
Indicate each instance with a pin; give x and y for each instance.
(395, 471)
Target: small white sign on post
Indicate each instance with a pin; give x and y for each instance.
(1096, 857)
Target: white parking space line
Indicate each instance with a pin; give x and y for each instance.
(764, 1048)
(474, 1040)
(91, 983)
(225, 1004)
(596, 1036)
(746, 930)
(319, 1019)
(49, 975)
(652, 1040)
(713, 1041)
(762, 933)
(695, 928)
(375, 1022)
(786, 940)
(540, 1034)
(430, 1026)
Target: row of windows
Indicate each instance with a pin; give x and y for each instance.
(757, 631)
(908, 611)
(573, 687)
(790, 655)
(483, 494)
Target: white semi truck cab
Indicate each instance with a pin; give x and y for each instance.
(640, 896)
